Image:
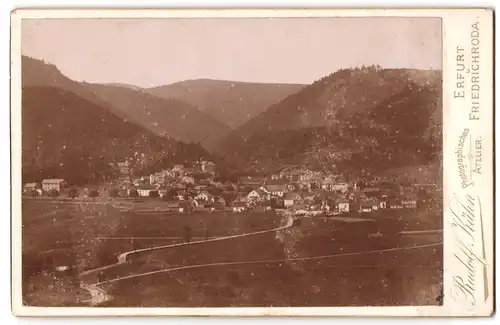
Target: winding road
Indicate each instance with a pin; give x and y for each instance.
(99, 295)
(380, 251)
(122, 258)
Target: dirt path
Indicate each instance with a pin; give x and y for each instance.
(418, 232)
(47, 214)
(152, 238)
(343, 219)
(98, 295)
(269, 261)
(122, 258)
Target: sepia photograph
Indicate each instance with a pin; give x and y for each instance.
(231, 162)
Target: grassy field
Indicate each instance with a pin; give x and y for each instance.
(406, 277)
(260, 270)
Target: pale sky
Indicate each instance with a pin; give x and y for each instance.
(151, 52)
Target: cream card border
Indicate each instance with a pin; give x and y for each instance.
(467, 162)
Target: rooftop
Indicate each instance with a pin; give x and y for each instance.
(146, 187)
(245, 179)
(172, 204)
(275, 188)
(370, 189)
(276, 182)
(300, 207)
(259, 191)
(292, 196)
(55, 180)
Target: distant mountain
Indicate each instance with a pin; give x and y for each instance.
(353, 118)
(117, 84)
(232, 103)
(170, 117)
(164, 117)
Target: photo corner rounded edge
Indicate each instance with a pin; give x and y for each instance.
(16, 309)
(14, 12)
(15, 16)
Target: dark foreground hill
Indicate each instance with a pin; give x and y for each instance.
(37, 73)
(232, 103)
(358, 119)
(171, 117)
(67, 136)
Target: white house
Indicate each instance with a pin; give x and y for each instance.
(257, 195)
(239, 207)
(343, 205)
(291, 199)
(340, 187)
(208, 166)
(327, 184)
(157, 178)
(145, 190)
(30, 187)
(275, 190)
(409, 202)
(53, 184)
(395, 204)
(330, 184)
(205, 196)
(366, 207)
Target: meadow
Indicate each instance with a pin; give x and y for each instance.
(316, 262)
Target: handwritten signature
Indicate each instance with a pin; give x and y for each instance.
(466, 214)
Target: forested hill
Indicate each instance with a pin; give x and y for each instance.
(67, 136)
(172, 118)
(354, 118)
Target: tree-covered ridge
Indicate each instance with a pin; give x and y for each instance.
(354, 118)
(66, 136)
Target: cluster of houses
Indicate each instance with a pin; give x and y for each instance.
(307, 192)
(294, 188)
(45, 186)
(179, 177)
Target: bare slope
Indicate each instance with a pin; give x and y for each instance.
(163, 116)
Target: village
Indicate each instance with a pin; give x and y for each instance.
(194, 187)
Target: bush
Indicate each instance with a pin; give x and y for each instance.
(73, 192)
(133, 193)
(154, 194)
(54, 193)
(171, 195)
(113, 192)
(93, 193)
